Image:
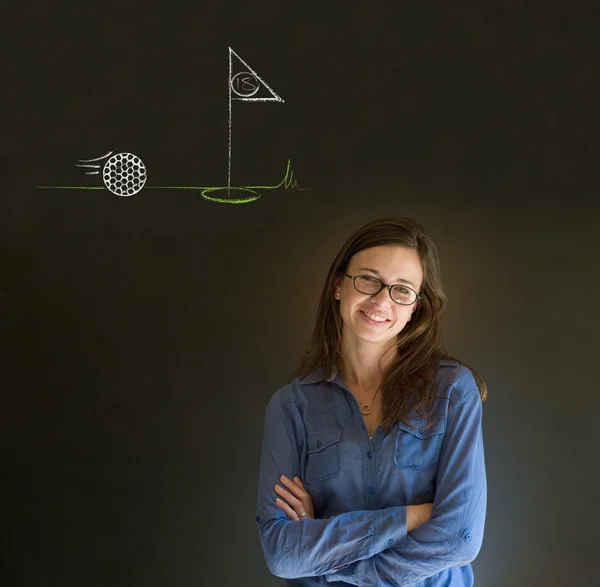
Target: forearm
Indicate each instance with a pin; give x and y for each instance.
(317, 547)
(417, 515)
(425, 553)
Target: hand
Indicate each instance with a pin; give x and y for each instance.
(297, 498)
(416, 515)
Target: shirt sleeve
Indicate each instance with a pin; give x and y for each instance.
(454, 533)
(308, 547)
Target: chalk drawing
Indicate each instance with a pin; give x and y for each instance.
(124, 174)
(288, 182)
(247, 79)
(244, 84)
(88, 163)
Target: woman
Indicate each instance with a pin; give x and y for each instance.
(372, 466)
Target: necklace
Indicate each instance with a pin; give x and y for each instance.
(365, 409)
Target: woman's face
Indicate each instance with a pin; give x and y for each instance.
(361, 312)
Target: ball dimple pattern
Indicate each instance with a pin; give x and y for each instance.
(124, 174)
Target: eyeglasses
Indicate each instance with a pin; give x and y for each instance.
(370, 285)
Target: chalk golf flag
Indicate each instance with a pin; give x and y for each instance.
(245, 85)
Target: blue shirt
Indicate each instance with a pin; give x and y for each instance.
(361, 486)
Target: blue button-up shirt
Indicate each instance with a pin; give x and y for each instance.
(361, 486)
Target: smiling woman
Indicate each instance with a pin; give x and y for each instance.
(372, 464)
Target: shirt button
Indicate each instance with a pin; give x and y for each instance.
(318, 443)
(422, 430)
(390, 541)
(467, 537)
(371, 490)
(369, 454)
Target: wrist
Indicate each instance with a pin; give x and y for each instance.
(410, 518)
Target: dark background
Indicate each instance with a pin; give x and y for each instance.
(142, 337)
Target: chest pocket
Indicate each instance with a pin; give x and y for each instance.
(323, 455)
(419, 447)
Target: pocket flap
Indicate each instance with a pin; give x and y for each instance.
(420, 429)
(318, 442)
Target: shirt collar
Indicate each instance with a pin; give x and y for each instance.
(318, 375)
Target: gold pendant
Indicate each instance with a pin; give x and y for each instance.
(367, 412)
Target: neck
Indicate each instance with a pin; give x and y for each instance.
(363, 365)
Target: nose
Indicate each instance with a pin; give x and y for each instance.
(383, 297)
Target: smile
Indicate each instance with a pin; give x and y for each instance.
(374, 317)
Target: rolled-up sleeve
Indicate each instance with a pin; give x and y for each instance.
(454, 533)
(309, 547)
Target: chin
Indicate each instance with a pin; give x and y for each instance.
(375, 337)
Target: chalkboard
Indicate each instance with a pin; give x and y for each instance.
(176, 180)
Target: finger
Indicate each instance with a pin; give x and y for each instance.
(291, 499)
(297, 490)
(298, 482)
(291, 514)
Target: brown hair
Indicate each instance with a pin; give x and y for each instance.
(406, 383)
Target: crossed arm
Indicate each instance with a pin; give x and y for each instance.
(374, 547)
(295, 500)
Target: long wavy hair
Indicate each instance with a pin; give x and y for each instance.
(407, 381)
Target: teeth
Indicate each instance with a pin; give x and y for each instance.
(376, 318)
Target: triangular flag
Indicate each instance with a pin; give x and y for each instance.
(246, 85)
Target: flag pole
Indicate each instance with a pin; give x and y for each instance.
(229, 164)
